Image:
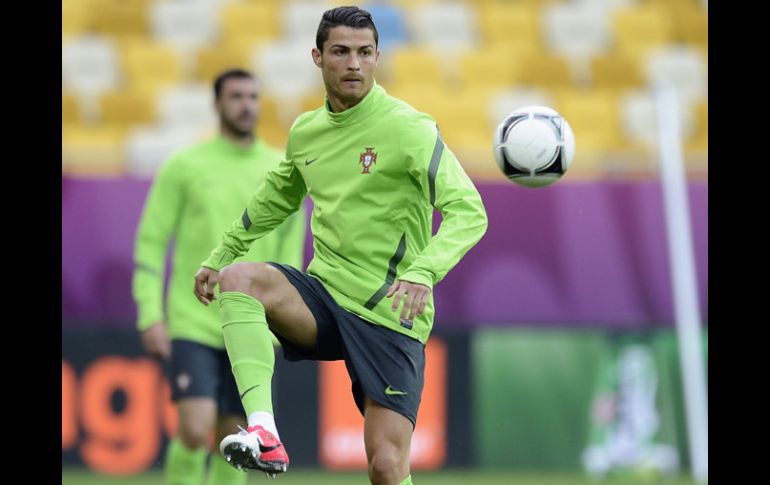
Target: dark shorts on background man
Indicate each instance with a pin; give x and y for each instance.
(197, 370)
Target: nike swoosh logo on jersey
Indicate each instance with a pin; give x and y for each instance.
(308, 162)
(393, 392)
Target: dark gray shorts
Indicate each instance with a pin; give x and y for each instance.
(384, 365)
(197, 370)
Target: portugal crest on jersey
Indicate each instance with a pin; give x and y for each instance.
(368, 158)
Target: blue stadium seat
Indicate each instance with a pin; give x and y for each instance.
(390, 23)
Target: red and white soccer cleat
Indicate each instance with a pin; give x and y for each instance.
(255, 448)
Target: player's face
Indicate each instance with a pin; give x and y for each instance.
(238, 105)
(347, 63)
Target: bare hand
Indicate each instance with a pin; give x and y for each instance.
(155, 341)
(416, 298)
(206, 280)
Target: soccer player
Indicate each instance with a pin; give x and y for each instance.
(375, 168)
(194, 198)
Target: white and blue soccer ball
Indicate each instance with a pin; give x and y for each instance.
(534, 146)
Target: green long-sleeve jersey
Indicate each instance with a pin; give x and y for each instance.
(374, 172)
(193, 199)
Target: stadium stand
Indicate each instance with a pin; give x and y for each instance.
(133, 68)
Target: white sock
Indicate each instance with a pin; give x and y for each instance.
(264, 419)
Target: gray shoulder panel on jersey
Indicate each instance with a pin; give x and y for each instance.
(438, 150)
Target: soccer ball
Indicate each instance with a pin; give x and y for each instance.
(534, 146)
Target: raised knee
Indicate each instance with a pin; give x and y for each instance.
(249, 278)
(234, 277)
(193, 435)
(384, 465)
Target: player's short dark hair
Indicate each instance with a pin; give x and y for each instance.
(229, 74)
(347, 16)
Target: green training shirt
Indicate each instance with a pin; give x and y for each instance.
(194, 198)
(374, 172)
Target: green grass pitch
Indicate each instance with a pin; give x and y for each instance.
(446, 477)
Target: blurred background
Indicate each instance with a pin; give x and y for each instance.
(554, 355)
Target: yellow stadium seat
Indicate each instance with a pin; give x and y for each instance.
(311, 101)
(274, 121)
(274, 117)
(150, 65)
(460, 114)
(642, 27)
(123, 109)
(500, 103)
(415, 66)
(467, 130)
(250, 21)
(696, 149)
(504, 3)
(594, 117)
(696, 146)
(546, 70)
(70, 111)
(463, 120)
(509, 22)
(76, 17)
(667, 3)
(119, 18)
(272, 125)
(273, 135)
(700, 140)
(513, 46)
(269, 112)
(408, 4)
(489, 67)
(92, 150)
(214, 60)
(422, 97)
(616, 71)
(689, 20)
(691, 24)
